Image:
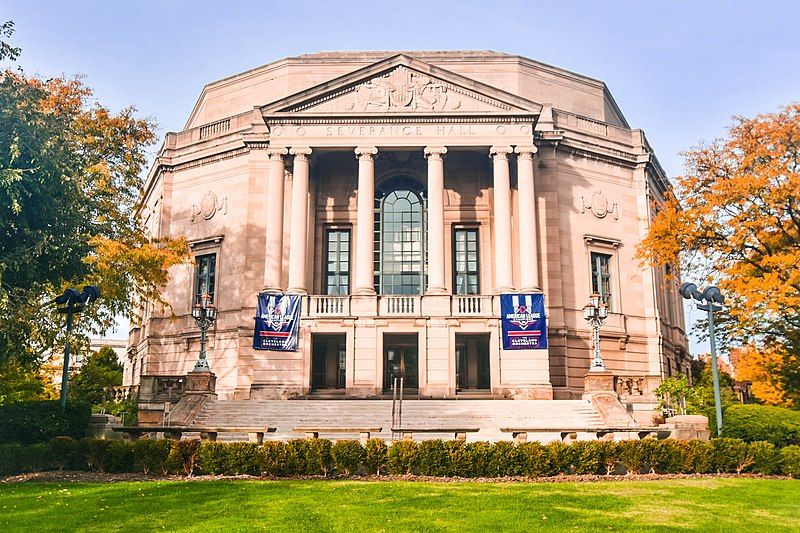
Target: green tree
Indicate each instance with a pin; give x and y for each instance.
(21, 383)
(101, 370)
(70, 176)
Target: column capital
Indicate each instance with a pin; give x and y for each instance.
(300, 152)
(365, 152)
(500, 152)
(435, 152)
(525, 151)
(276, 154)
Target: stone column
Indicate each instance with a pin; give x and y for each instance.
(363, 280)
(504, 281)
(528, 247)
(299, 222)
(435, 155)
(273, 265)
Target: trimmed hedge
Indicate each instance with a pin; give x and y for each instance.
(32, 422)
(319, 457)
(777, 425)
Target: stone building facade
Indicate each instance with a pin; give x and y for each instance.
(400, 194)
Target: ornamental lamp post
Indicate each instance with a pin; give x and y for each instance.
(74, 302)
(711, 295)
(204, 314)
(595, 313)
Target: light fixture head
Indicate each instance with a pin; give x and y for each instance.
(687, 289)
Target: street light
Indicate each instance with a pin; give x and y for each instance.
(204, 314)
(711, 295)
(595, 313)
(74, 302)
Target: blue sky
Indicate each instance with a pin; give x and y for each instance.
(679, 69)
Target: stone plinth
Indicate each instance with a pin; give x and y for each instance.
(598, 382)
(201, 382)
(687, 427)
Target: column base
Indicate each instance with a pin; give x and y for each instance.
(299, 291)
(272, 290)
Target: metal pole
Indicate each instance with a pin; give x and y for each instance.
(714, 369)
(400, 405)
(65, 371)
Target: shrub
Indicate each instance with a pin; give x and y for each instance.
(460, 463)
(212, 458)
(506, 460)
(375, 458)
(153, 455)
(535, 459)
(766, 458)
(560, 457)
(183, 457)
(347, 456)
(589, 456)
(243, 458)
(276, 459)
(777, 425)
(698, 457)
(65, 453)
(313, 456)
(433, 459)
(402, 457)
(662, 456)
(96, 453)
(479, 456)
(31, 422)
(11, 459)
(120, 457)
(37, 457)
(731, 455)
(790, 461)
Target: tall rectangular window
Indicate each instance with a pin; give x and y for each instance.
(205, 276)
(337, 262)
(601, 276)
(465, 261)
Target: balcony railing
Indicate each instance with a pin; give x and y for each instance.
(318, 306)
(400, 306)
(471, 305)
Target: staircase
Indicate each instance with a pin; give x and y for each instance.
(488, 415)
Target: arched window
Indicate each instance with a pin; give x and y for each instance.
(400, 241)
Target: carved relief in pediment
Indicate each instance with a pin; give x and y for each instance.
(403, 90)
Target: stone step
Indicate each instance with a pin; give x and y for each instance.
(488, 415)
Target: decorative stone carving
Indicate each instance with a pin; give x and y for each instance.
(600, 206)
(403, 90)
(209, 206)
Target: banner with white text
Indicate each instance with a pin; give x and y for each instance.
(277, 322)
(523, 321)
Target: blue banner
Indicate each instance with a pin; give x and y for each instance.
(277, 322)
(523, 321)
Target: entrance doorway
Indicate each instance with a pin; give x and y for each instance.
(328, 355)
(401, 359)
(472, 362)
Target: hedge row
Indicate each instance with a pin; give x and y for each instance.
(777, 425)
(321, 457)
(32, 422)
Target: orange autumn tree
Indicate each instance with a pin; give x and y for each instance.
(734, 219)
(763, 367)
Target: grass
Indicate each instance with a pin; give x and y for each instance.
(708, 504)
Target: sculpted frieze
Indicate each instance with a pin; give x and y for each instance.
(403, 90)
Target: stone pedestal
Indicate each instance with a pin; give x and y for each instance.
(201, 382)
(687, 427)
(595, 382)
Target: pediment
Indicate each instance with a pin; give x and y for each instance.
(402, 85)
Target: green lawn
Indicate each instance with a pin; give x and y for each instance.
(685, 504)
